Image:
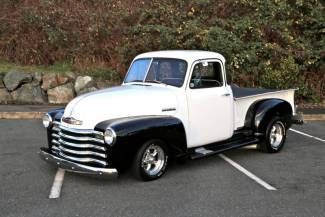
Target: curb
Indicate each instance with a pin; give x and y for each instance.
(39, 115)
(314, 117)
(21, 115)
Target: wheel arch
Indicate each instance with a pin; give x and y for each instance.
(260, 112)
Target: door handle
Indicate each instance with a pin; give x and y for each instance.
(226, 94)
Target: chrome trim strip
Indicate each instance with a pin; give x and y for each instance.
(55, 129)
(55, 135)
(55, 152)
(83, 160)
(55, 148)
(82, 152)
(81, 131)
(84, 138)
(75, 167)
(80, 145)
(55, 142)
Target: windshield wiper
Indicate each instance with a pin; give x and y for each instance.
(135, 81)
(154, 81)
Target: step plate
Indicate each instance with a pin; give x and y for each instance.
(221, 147)
(203, 151)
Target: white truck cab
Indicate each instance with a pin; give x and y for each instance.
(171, 103)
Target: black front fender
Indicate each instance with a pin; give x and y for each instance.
(56, 115)
(132, 132)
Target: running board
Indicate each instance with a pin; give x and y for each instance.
(218, 148)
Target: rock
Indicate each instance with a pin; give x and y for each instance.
(65, 78)
(2, 85)
(62, 79)
(29, 94)
(61, 94)
(72, 76)
(83, 82)
(52, 80)
(5, 96)
(37, 77)
(49, 81)
(87, 90)
(14, 79)
(101, 84)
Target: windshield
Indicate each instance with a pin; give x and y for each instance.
(158, 70)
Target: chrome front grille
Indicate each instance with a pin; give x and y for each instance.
(81, 146)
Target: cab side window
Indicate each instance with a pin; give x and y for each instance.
(206, 75)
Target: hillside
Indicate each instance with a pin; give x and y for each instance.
(272, 44)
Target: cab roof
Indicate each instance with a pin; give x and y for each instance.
(188, 55)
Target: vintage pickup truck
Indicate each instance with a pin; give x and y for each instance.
(171, 104)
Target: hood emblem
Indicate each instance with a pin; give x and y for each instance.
(168, 109)
(71, 120)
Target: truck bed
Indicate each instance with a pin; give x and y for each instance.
(245, 97)
(239, 92)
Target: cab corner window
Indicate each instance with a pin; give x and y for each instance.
(206, 75)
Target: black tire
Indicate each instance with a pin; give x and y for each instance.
(275, 136)
(146, 165)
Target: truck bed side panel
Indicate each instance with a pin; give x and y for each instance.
(242, 104)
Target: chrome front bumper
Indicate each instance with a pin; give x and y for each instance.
(75, 167)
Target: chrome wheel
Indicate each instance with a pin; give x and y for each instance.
(153, 159)
(277, 133)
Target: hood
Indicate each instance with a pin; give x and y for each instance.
(117, 102)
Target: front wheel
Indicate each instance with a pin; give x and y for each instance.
(275, 136)
(151, 160)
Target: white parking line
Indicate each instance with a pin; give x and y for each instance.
(57, 184)
(247, 173)
(305, 134)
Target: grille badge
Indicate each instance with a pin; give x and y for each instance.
(71, 120)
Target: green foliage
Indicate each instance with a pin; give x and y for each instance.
(272, 44)
(6, 66)
(283, 75)
(96, 72)
(104, 74)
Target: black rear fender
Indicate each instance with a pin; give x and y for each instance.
(260, 113)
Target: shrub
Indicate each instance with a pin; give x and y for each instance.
(276, 44)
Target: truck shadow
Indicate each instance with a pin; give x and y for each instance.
(174, 170)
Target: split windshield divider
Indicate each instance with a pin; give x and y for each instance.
(145, 77)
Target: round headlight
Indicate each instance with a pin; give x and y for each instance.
(47, 119)
(109, 136)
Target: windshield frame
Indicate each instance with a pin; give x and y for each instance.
(147, 71)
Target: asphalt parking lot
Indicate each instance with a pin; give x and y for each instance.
(207, 187)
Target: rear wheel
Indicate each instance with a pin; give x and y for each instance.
(275, 136)
(151, 160)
